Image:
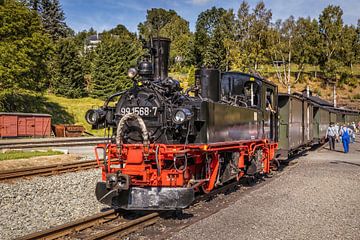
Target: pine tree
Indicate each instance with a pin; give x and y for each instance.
(54, 19)
(68, 74)
(35, 5)
(114, 56)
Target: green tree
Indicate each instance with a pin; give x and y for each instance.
(237, 48)
(349, 46)
(257, 43)
(306, 50)
(25, 48)
(68, 75)
(86, 56)
(331, 29)
(167, 23)
(283, 49)
(213, 29)
(53, 19)
(251, 45)
(114, 56)
(121, 30)
(156, 19)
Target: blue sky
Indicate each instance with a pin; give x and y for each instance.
(106, 14)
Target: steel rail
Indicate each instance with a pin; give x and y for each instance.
(71, 227)
(47, 170)
(128, 227)
(77, 226)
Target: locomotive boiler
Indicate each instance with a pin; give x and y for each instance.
(168, 144)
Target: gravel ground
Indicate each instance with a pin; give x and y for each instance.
(318, 199)
(27, 206)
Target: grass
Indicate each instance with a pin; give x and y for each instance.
(77, 109)
(27, 154)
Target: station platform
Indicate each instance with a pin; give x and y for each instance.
(316, 198)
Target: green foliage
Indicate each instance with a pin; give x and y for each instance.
(307, 38)
(156, 19)
(24, 48)
(120, 30)
(213, 29)
(350, 44)
(331, 28)
(114, 56)
(68, 76)
(53, 19)
(167, 23)
(191, 76)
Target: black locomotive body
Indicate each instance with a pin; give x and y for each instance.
(168, 144)
(224, 107)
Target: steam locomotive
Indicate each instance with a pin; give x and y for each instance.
(168, 144)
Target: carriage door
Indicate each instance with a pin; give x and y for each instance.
(271, 110)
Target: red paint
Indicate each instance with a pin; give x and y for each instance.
(143, 170)
(25, 125)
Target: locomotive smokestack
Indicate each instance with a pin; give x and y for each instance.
(160, 57)
(209, 82)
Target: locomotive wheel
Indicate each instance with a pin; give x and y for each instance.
(207, 171)
(275, 164)
(204, 188)
(255, 163)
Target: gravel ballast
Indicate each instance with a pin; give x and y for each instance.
(31, 205)
(319, 198)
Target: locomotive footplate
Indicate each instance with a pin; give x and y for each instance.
(149, 198)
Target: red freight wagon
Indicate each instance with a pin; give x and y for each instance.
(25, 125)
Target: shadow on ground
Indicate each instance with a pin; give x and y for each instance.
(35, 103)
(350, 163)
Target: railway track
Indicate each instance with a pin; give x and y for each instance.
(112, 224)
(47, 170)
(98, 226)
(39, 143)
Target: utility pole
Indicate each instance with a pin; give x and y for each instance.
(334, 94)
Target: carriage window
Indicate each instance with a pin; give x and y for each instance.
(225, 87)
(269, 99)
(251, 92)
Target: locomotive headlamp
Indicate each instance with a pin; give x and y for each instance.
(132, 72)
(181, 115)
(95, 116)
(92, 117)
